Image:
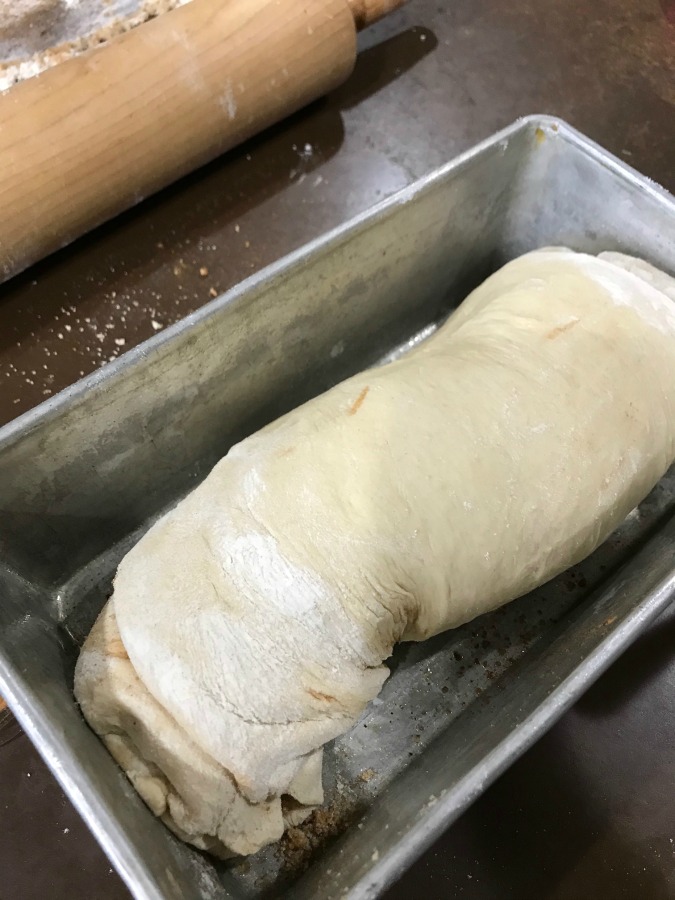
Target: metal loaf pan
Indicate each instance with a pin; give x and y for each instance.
(83, 475)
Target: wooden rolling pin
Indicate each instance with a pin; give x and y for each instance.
(96, 134)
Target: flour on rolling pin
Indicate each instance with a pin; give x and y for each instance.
(38, 34)
(151, 104)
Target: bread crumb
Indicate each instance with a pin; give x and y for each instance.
(299, 845)
(203, 271)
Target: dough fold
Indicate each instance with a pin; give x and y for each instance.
(249, 626)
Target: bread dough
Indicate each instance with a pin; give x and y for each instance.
(181, 784)
(407, 500)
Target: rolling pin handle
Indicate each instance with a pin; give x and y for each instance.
(366, 12)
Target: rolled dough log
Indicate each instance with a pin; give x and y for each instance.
(249, 626)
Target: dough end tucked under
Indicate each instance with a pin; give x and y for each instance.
(183, 786)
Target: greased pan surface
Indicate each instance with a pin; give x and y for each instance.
(82, 476)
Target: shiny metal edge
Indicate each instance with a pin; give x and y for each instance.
(96, 381)
(53, 748)
(655, 559)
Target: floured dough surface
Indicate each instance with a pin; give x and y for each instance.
(190, 788)
(256, 615)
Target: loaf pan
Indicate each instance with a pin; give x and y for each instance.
(83, 475)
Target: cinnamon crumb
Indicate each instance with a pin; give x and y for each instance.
(298, 845)
(367, 775)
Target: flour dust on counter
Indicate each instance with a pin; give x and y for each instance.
(38, 34)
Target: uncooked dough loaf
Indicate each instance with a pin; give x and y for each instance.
(249, 626)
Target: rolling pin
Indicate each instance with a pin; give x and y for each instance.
(96, 134)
